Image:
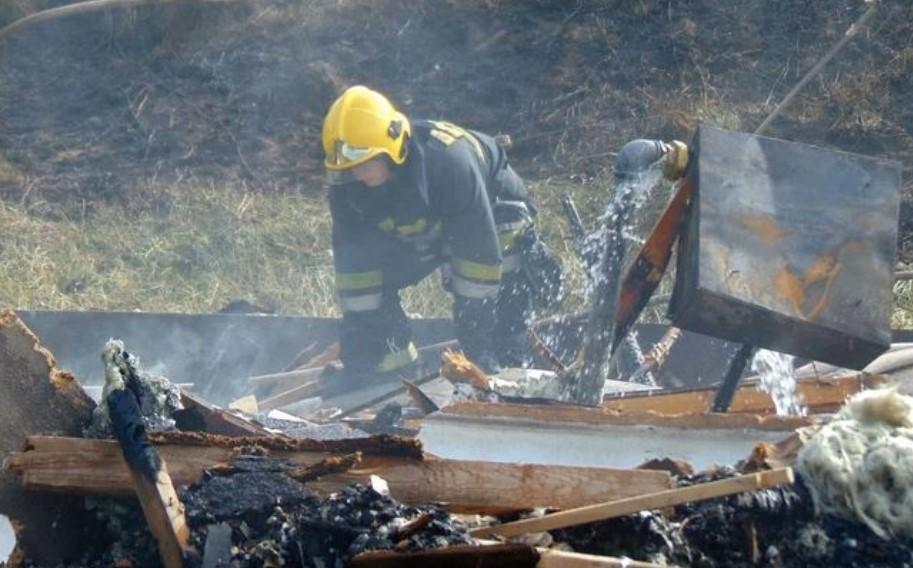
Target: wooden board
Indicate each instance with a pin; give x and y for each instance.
(650, 264)
(821, 395)
(77, 465)
(572, 414)
(215, 420)
(164, 514)
(551, 558)
(660, 500)
(510, 555)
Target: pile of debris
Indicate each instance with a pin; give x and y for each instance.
(235, 492)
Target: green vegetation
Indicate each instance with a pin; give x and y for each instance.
(212, 245)
(209, 246)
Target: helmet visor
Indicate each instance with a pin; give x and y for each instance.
(359, 171)
(350, 153)
(345, 155)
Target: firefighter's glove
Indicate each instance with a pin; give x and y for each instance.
(542, 269)
(676, 160)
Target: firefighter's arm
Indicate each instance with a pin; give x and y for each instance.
(638, 156)
(469, 230)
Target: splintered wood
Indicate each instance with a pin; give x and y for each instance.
(456, 367)
(165, 515)
(329, 466)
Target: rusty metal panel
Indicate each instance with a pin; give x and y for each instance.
(789, 247)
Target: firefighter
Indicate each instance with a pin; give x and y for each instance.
(411, 196)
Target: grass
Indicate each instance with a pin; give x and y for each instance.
(211, 246)
(194, 248)
(208, 245)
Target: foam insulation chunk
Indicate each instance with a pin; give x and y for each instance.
(860, 465)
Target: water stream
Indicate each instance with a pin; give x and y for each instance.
(607, 249)
(777, 376)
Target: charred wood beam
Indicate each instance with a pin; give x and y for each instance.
(325, 467)
(84, 466)
(566, 413)
(380, 445)
(199, 415)
(161, 506)
(421, 400)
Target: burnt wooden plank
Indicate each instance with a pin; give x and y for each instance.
(76, 465)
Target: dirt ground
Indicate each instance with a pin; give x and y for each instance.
(116, 105)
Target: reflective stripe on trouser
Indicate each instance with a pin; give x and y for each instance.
(474, 279)
(361, 302)
(359, 291)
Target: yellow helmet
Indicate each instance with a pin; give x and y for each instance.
(360, 125)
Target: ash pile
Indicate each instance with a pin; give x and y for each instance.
(253, 514)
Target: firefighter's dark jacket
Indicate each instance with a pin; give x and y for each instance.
(437, 208)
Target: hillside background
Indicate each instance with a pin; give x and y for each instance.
(167, 158)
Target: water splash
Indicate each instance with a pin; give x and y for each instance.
(611, 244)
(618, 222)
(778, 379)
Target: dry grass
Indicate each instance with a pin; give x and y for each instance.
(211, 245)
(194, 248)
(214, 244)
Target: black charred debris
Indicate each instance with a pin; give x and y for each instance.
(254, 515)
(774, 527)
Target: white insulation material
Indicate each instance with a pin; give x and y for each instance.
(860, 465)
(7, 540)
